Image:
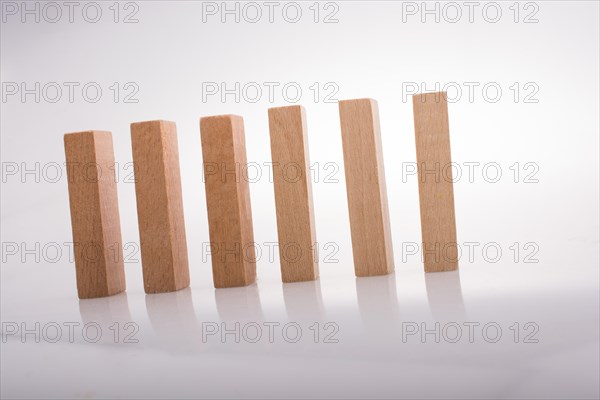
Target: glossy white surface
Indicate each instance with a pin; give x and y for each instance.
(551, 289)
(371, 358)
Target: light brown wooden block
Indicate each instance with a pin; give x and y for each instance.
(366, 189)
(228, 201)
(293, 194)
(160, 206)
(436, 196)
(94, 214)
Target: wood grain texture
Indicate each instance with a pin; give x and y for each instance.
(160, 206)
(228, 201)
(293, 194)
(94, 214)
(436, 196)
(366, 188)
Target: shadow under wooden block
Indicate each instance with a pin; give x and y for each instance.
(112, 319)
(174, 322)
(228, 201)
(366, 188)
(160, 206)
(304, 302)
(239, 305)
(444, 295)
(378, 306)
(293, 194)
(436, 195)
(94, 214)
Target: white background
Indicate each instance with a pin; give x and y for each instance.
(377, 50)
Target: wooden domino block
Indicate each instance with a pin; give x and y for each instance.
(94, 214)
(436, 196)
(228, 201)
(160, 206)
(293, 194)
(366, 188)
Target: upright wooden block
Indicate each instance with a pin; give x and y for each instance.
(228, 201)
(94, 214)
(160, 206)
(293, 194)
(436, 196)
(366, 189)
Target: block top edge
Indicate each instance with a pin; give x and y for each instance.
(91, 132)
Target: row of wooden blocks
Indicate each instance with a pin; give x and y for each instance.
(95, 213)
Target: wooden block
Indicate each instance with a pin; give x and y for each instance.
(94, 214)
(228, 201)
(436, 196)
(160, 206)
(366, 189)
(293, 194)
